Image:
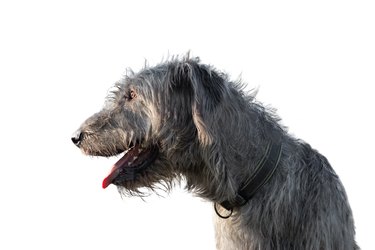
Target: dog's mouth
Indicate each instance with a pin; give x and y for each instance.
(133, 162)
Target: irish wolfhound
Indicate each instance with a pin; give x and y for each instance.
(185, 120)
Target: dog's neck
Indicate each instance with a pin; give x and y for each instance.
(263, 172)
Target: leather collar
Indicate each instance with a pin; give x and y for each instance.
(263, 172)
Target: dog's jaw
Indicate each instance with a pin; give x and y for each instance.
(134, 161)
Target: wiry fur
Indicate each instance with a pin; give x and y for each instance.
(212, 134)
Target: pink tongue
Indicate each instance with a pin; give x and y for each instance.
(116, 169)
(112, 175)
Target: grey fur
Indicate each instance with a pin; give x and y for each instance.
(212, 134)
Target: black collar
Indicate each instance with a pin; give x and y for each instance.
(263, 172)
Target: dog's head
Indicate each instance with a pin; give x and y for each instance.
(165, 120)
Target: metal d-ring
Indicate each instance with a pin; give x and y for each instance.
(223, 216)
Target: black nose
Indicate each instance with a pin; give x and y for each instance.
(77, 138)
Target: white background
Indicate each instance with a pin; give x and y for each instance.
(314, 62)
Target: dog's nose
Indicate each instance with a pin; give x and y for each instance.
(77, 137)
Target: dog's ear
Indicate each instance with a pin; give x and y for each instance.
(207, 92)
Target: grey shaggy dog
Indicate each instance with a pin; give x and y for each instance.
(184, 120)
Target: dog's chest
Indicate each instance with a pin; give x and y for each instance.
(230, 235)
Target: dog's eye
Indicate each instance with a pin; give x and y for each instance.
(131, 94)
